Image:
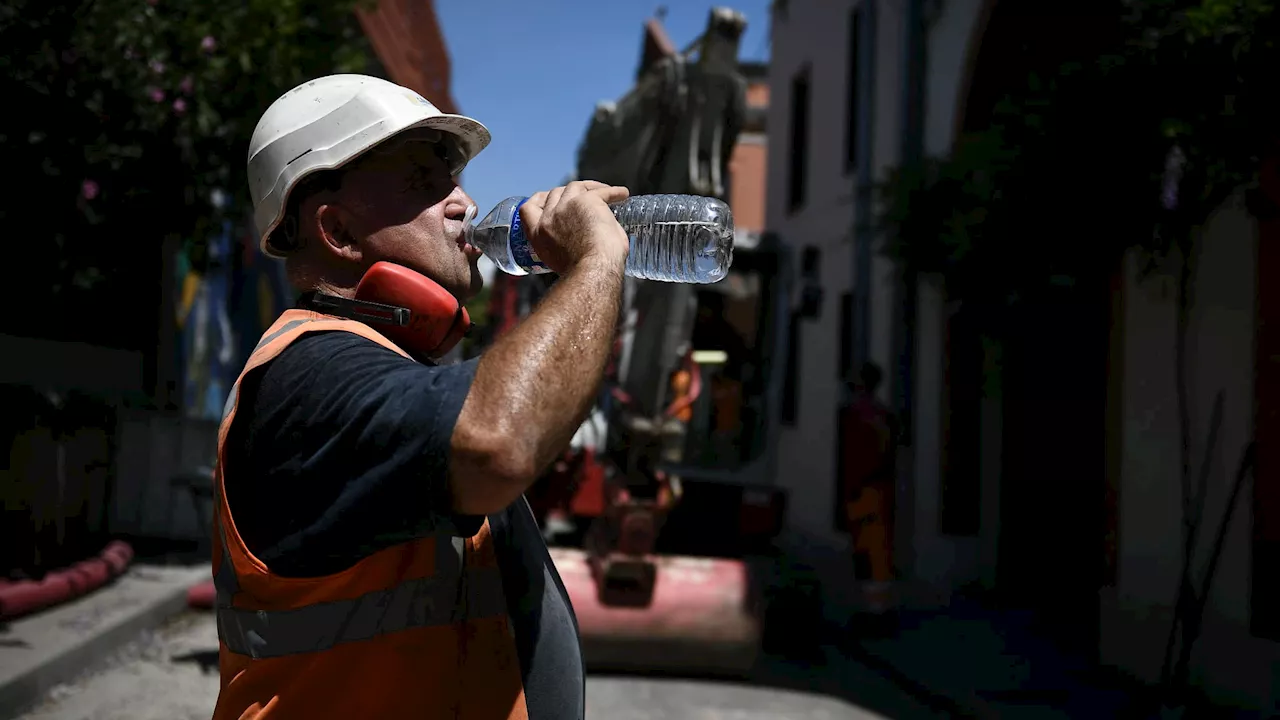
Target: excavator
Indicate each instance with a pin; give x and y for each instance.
(661, 515)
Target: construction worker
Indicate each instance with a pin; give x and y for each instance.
(374, 556)
(868, 448)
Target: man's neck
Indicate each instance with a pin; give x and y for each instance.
(327, 288)
(311, 275)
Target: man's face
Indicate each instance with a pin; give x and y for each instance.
(403, 206)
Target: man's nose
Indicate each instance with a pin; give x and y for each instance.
(456, 206)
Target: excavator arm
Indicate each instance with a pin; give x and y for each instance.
(673, 132)
(674, 605)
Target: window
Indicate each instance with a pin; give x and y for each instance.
(852, 88)
(960, 510)
(789, 413)
(844, 370)
(796, 182)
(810, 261)
(811, 295)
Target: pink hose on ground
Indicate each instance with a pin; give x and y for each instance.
(201, 597)
(26, 596)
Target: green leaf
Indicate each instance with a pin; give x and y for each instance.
(1069, 172)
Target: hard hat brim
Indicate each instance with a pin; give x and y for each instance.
(472, 136)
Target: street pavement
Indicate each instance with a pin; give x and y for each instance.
(171, 674)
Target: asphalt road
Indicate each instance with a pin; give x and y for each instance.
(171, 674)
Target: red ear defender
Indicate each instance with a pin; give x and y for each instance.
(437, 321)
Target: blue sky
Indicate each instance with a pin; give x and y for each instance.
(533, 72)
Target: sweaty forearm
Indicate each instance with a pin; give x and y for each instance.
(534, 387)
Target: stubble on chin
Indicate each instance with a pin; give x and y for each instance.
(477, 279)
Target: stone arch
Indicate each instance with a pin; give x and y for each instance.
(1011, 37)
(1050, 433)
(971, 54)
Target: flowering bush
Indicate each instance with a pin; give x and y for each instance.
(127, 123)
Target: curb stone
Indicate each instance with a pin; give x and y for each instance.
(85, 632)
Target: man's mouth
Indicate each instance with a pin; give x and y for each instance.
(470, 250)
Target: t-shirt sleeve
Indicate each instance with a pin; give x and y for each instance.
(344, 451)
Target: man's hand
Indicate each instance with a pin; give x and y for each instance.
(536, 384)
(573, 223)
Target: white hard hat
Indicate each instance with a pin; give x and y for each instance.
(327, 122)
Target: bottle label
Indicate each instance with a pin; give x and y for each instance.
(518, 244)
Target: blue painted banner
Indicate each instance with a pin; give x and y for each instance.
(221, 314)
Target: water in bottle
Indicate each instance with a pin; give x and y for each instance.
(674, 238)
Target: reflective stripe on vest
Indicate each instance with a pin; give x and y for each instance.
(452, 595)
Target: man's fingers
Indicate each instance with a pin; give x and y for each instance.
(579, 186)
(545, 203)
(538, 199)
(569, 191)
(612, 194)
(554, 198)
(532, 208)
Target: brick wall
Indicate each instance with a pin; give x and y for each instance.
(748, 166)
(747, 189)
(406, 36)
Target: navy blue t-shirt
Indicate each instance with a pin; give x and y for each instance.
(340, 448)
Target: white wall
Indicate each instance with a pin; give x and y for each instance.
(1232, 665)
(813, 32)
(941, 562)
(886, 149)
(949, 36)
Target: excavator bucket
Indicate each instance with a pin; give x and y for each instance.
(699, 619)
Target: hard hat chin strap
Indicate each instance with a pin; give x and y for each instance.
(363, 311)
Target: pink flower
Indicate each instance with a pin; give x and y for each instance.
(208, 44)
(179, 106)
(186, 85)
(89, 189)
(152, 3)
(156, 66)
(156, 94)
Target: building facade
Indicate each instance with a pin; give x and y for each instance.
(1049, 476)
(813, 181)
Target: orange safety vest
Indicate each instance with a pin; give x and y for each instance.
(868, 490)
(417, 630)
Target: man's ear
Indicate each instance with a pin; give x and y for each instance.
(334, 227)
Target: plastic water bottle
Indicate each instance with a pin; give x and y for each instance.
(674, 238)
